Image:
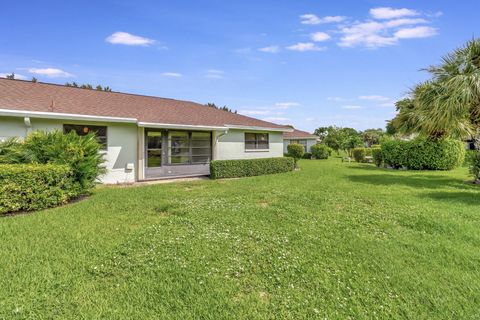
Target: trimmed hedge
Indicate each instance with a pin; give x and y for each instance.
(423, 154)
(359, 154)
(377, 156)
(220, 169)
(26, 187)
(321, 151)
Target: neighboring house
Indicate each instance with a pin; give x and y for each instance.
(301, 137)
(143, 137)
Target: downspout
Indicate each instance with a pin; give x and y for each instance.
(216, 142)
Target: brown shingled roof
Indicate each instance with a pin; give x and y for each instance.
(44, 97)
(299, 134)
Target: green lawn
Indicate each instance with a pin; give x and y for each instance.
(333, 241)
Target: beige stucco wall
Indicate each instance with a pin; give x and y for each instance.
(121, 140)
(310, 143)
(232, 146)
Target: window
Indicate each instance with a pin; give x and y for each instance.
(82, 130)
(256, 141)
(189, 147)
(302, 142)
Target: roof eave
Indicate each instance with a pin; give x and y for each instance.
(63, 116)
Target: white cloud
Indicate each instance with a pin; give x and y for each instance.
(281, 120)
(374, 97)
(386, 32)
(128, 39)
(391, 13)
(332, 19)
(367, 34)
(304, 46)
(214, 74)
(404, 21)
(416, 32)
(311, 18)
(319, 36)
(17, 76)
(286, 105)
(337, 99)
(172, 74)
(255, 112)
(270, 49)
(50, 72)
(352, 107)
(388, 104)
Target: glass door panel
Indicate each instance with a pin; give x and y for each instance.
(154, 149)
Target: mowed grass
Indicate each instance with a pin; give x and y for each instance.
(334, 241)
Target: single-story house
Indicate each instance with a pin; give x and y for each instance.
(143, 137)
(300, 137)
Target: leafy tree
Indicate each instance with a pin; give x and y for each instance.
(296, 151)
(34, 79)
(322, 132)
(372, 136)
(350, 139)
(10, 76)
(340, 138)
(224, 108)
(99, 88)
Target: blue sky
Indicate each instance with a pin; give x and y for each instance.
(302, 62)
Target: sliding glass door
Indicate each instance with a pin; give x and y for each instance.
(154, 148)
(189, 147)
(165, 147)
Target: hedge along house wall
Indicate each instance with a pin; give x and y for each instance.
(121, 142)
(249, 167)
(423, 154)
(26, 187)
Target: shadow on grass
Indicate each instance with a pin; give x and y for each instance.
(469, 198)
(415, 181)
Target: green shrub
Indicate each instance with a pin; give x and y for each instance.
(307, 155)
(377, 156)
(359, 154)
(394, 153)
(296, 151)
(33, 186)
(249, 167)
(321, 151)
(474, 164)
(368, 152)
(424, 154)
(80, 153)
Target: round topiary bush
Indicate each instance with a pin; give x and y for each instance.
(296, 151)
(321, 151)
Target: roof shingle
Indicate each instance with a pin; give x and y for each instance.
(43, 97)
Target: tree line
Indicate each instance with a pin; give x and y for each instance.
(346, 139)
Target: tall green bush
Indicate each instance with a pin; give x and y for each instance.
(377, 156)
(423, 154)
(321, 151)
(249, 167)
(474, 165)
(394, 153)
(359, 154)
(80, 153)
(296, 151)
(33, 186)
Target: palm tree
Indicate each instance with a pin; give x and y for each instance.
(449, 104)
